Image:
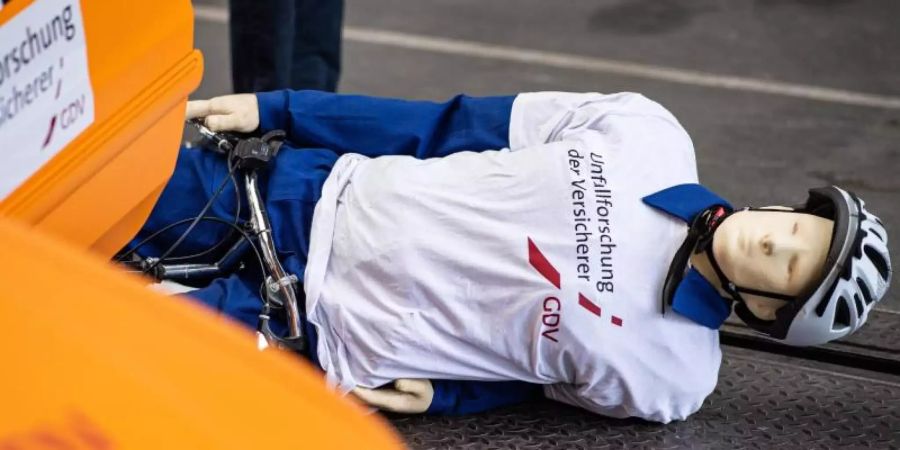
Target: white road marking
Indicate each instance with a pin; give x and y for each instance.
(218, 14)
(459, 47)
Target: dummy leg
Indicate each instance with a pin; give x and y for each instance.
(291, 187)
(197, 176)
(238, 298)
(235, 296)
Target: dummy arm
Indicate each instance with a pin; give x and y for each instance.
(404, 396)
(366, 125)
(378, 126)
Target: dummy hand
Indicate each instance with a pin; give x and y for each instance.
(407, 396)
(239, 112)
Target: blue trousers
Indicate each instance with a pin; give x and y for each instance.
(291, 187)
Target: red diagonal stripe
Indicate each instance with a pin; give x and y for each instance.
(617, 321)
(49, 133)
(540, 263)
(588, 305)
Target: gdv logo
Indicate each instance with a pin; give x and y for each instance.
(552, 306)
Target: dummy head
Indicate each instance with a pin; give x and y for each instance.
(774, 251)
(806, 275)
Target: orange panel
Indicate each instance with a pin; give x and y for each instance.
(91, 359)
(95, 193)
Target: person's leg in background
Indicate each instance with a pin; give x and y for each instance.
(279, 44)
(262, 33)
(316, 59)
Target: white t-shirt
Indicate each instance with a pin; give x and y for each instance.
(537, 263)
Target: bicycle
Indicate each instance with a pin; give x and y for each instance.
(247, 155)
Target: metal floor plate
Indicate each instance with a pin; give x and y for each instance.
(880, 337)
(762, 401)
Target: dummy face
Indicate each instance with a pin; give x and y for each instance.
(772, 251)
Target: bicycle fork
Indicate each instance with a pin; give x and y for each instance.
(280, 287)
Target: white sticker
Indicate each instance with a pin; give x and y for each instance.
(46, 99)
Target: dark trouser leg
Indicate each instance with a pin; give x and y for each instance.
(262, 37)
(279, 44)
(316, 60)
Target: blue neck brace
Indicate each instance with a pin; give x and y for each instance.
(695, 297)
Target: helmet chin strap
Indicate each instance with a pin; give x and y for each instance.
(699, 236)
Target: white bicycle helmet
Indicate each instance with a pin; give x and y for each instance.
(857, 275)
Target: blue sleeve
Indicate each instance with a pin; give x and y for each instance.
(378, 126)
(455, 397)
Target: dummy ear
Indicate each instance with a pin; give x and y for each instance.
(763, 308)
(750, 319)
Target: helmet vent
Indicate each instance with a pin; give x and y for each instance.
(847, 272)
(842, 314)
(859, 306)
(878, 261)
(857, 244)
(877, 234)
(864, 290)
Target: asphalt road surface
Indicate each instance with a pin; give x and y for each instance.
(778, 95)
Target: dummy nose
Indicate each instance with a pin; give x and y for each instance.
(768, 247)
(773, 245)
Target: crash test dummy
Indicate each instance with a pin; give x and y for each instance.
(460, 256)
